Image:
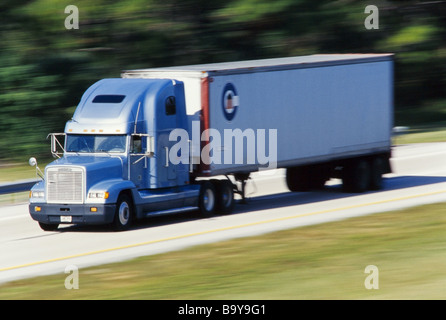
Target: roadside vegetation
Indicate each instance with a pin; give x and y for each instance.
(17, 171)
(45, 67)
(421, 134)
(326, 261)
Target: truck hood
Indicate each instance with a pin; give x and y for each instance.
(98, 168)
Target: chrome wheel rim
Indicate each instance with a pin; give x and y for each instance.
(209, 200)
(124, 213)
(226, 198)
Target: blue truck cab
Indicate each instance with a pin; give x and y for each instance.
(114, 167)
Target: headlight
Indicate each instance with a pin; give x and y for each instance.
(37, 194)
(98, 195)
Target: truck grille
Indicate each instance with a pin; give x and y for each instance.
(65, 185)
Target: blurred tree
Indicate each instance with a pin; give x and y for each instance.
(45, 68)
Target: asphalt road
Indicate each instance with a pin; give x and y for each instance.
(26, 251)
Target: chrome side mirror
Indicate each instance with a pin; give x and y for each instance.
(150, 146)
(32, 162)
(137, 143)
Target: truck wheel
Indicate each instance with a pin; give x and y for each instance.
(356, 177)
(376, 173)
(298, 179)
(48, 227)
(123, 214)
(207, 199)
(319, 174)
(225, 196)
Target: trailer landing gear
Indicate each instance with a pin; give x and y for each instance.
(242, 178)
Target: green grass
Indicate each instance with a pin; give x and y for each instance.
(316, 262)
(14, 172)
(20, 170)
(14, 198)
(422, 135)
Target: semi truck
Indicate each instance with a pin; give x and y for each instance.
(187, 138)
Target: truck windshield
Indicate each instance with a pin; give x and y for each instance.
(96, 143)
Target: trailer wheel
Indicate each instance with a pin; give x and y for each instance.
(123, 214)
(298, 179)
(376, 173)
(319, 174)
(356, 177)
(225, 196)
(48, 227)
(207, 199)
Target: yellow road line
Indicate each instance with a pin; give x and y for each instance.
(222, 229)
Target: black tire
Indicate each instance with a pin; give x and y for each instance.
(306, 178)
(356, 176)
(319, 174)
(207, 200)
(376, 173)
(48, 227)
(225, 196)
(124, 213)
(298, 179)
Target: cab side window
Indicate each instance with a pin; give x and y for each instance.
(136, 146)
(170, 106)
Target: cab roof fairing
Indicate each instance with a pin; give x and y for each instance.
(116, 118)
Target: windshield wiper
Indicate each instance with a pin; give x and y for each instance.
(105, 151)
